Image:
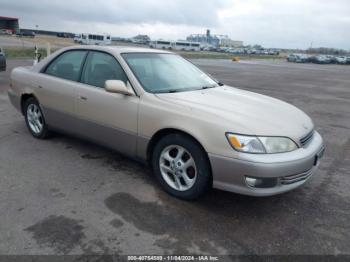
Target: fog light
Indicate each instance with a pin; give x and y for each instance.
(260, 182)
(253, 182)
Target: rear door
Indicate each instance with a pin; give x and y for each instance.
(56, 87)
(108, 118)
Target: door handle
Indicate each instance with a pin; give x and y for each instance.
(40, 87)
(82, 97)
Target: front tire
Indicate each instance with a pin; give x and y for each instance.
(34, 118)
(181, 166)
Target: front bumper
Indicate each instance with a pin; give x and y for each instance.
(14, 99)
(289, 170)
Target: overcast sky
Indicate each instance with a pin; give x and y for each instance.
(271, 23)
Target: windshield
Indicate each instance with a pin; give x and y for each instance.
(162, 73)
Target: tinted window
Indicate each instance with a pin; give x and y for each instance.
(67, 66)
(100, 67)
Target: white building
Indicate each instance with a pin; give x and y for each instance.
(227, 42)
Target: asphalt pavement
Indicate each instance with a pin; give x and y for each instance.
(67, 196)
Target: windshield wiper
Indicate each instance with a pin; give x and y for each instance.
(168, 91)
(207, 87)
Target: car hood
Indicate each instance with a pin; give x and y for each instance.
(245, 112)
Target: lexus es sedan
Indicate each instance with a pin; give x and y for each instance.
(153, 105)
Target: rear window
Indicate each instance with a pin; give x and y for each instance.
(67, 65)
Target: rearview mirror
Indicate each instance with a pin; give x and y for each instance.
(117, 86)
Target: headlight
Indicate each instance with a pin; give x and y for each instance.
(248, 144)
(261, 145)
(278, 144)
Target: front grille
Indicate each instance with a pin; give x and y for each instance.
(306, 139)
(287, 180)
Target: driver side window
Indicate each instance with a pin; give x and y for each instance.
(100, 67)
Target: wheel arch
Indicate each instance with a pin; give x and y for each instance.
(167, 131)
(24, 98)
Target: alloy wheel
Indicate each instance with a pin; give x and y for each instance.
(35, 119)
(178, 167)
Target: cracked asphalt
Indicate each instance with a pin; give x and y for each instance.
(68, 196)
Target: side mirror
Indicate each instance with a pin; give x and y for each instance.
(117, 86)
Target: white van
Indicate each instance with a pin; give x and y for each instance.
(178, 45)
(162, 44)
(187, 46)
(93, 39)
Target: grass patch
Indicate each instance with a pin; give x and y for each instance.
(217, 55)
(28, 52)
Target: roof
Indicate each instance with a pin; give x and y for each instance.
(8, 18)
(119, 49)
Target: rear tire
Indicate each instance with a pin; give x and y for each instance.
(181, 166)
(34, 118)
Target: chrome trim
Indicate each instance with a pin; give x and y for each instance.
(287, 180)
(304, 141)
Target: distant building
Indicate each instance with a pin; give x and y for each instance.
(9, 25)
(214, 40)
(141, 39)
(227, 42)
(205, 39)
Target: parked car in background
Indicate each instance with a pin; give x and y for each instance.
(302, 58)
(321, 59)
(291, 58)
(77, 38)
(274, 52)
(341, 60)
(332, 59)
(348, 60)
(64, 35)
(5, 32)
(26, 33)
(318, 59)
(2, 60)
(158, 107)
(298, 58)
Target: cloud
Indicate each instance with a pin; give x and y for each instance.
(184, 12)
(288, 23)
(272, 23)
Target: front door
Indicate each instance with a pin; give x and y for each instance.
(108, 118)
